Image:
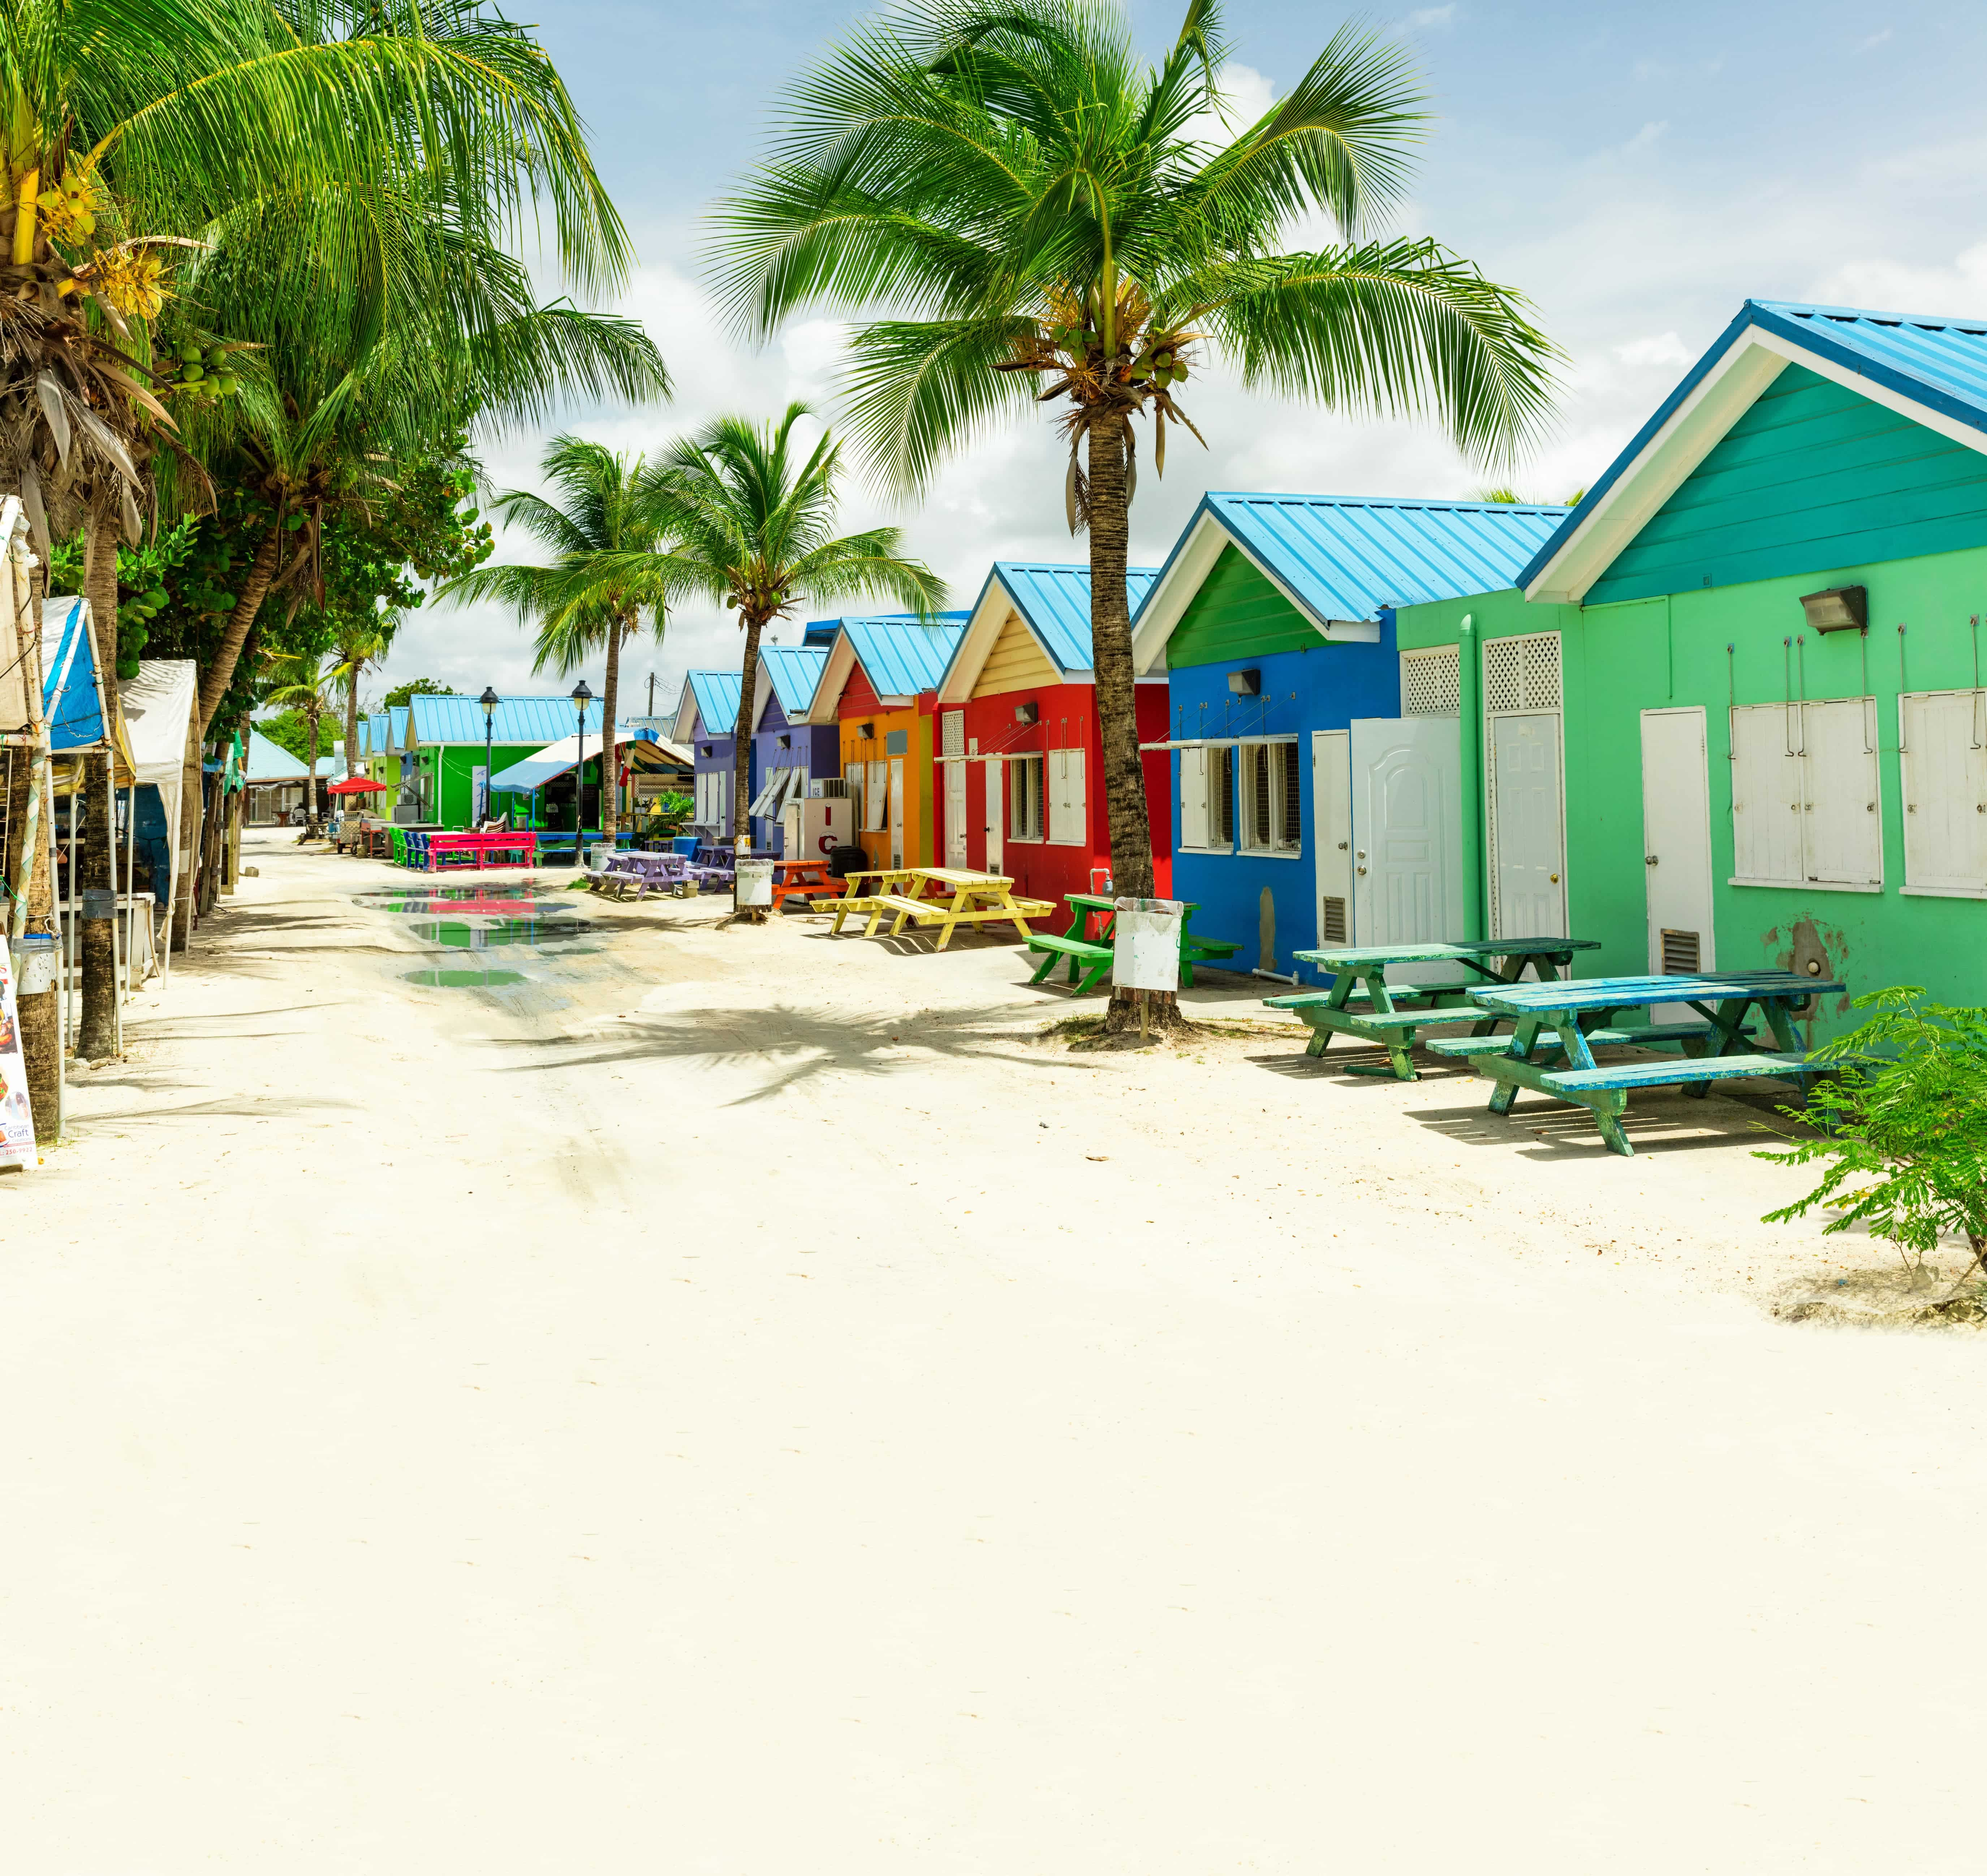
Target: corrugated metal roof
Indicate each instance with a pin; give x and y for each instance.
(1349, 558)
(794, 670)
(716, 694)
(536, 721)
(1055, 600)
(270, 761)
(900, 657)
(396, 726)
(1940, 363)
(820, 632)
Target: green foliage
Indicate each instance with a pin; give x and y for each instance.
(288, 729)
(1904, 1127)
(668, 814)
(148, 576)
(397, 698)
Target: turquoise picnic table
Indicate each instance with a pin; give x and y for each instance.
(1362, 1004)
(1550, 1051)
(1089, 958)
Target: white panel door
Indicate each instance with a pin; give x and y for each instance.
(1842, 830)
(1676, 842)
(1765, 795)
(1407, 825)
(1944, 768)
(896, 811)
(1067, 808)
(995, 819)
(1331, 833)
(1527, 834)
(955, 814)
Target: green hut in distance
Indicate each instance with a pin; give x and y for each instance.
(441, 753)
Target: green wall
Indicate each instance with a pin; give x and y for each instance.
(1236, 613)
(1619, 660)
(1812, 473)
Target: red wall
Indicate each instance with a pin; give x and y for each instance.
(1066, 718)
(859, 696)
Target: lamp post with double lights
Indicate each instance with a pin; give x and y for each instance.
(582, 697)
(489, 699)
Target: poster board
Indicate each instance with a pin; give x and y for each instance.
(755, 883)
(1146, 944)
(16, 1120)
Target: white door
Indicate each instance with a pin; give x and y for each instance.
(997, 809)
(1331, 833)
(897, 811)
(955, 814)
(1676, 842)
(1407, 833)
(1527, 840)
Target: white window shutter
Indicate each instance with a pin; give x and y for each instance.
(1944, 778)
(1841, 819)
(1079, 801)
(1193, 798)
(1766, 804)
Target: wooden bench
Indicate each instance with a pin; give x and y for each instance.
(1203, 951)
(1016, 911)
(1655, 1035)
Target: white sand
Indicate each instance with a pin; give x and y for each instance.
(741, 1406)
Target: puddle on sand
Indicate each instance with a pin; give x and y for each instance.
(465, 979)
(508, 898)
(486, 933)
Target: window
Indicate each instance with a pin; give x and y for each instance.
(1207, 797)
(1805, 800)
(1942, 761)
(1025, 797)
(876, 798)
(1221, 795)
(1271, 797)
(1068, 808)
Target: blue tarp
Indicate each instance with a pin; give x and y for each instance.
(71, 700)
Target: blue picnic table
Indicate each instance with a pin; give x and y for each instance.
(1363, 1005)
(1550, 1051)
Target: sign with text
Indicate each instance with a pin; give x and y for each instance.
(16, 1120)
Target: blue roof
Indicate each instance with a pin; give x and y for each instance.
(1349, 558)
(821, 632)
(899, 656)
(70, 704)
(372, 733)
(536, 721)
(1939, 363)
(716, 694)
(794, 670)
(267, 760)
(1055, 600)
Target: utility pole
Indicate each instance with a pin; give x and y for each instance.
(652, 693)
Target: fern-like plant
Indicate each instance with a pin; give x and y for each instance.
(1903, 1128)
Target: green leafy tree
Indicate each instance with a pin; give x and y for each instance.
(1058, 225)
(610, 565)
(751, 520)
(1903, 1127)
(305, 686)
(397, 698)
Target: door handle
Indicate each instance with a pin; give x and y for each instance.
(1555, 879)
(1359, 869)
(1648, 859)
(1343, 845)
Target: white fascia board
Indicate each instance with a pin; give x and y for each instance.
(1947, 427)
(983, 631)
(1694, 428)
(762, 689)
(833, 681)
(685, 723)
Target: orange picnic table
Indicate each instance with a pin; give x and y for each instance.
(802, 879)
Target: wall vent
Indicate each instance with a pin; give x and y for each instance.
(1681, 952)
(1521, 674)
(1430, 683)
(1332, 927)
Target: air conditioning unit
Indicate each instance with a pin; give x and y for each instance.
(831, 788)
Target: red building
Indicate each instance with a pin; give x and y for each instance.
(1018, 767)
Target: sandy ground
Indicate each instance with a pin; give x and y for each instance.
(741, 1402)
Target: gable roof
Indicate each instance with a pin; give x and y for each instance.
(1052, 600)
(1342, 560)
(709, 698)
(1932, 370)
(790, 672)
(899, 655)
(268, 760)
(534, 721)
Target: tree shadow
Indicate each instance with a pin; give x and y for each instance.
(802, 1044)
(1671, 1122)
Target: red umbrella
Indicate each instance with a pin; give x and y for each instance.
(355, 784)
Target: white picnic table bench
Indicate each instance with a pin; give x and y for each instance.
(1550, 1051)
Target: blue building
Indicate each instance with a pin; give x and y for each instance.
(1287, 698)
(789, 752)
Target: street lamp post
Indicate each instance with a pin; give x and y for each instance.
(489, 700)
(582, 697)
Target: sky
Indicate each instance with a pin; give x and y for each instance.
(1636, 172)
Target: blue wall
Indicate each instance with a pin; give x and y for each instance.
(1322, 687)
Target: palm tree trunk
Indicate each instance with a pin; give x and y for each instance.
(741, 745)
(1118, 699)
(610, 766)
(220, 674)
(351, 723)
(310, 779)
(96, 1036)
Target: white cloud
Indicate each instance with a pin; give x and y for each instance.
(1875, 39)
(1429, 18)
(1958, 286)
(1244, 96)
(1666, 349)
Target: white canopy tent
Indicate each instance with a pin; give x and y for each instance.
(159, 718)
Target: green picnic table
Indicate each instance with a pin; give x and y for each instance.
(1551, 1050)
(1089, 958)
(1389, 1014)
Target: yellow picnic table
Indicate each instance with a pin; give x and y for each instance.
(945, 896)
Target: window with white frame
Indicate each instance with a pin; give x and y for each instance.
(1207, 797)
(1806, 806)
(876, 798)
(1942, 763)
(1271, 794)
(1068, 811)
(1025, 797)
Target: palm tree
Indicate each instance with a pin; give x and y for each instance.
(358, 646)
(749, 521)
(306, 685)
(1052, 215)
(610, 566)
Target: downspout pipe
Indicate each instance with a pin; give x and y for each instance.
(1469, 703)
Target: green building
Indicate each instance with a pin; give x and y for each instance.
(441, 750)
(1731, 716)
